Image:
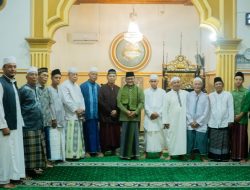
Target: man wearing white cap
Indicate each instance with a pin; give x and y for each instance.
(33, 135)
(90, 90)
(174, 119)
(11, 123)
(74, 108)
(197, 119)
(154, 98)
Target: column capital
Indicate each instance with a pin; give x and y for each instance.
(40, 43)
(227, 45)
(40, 49)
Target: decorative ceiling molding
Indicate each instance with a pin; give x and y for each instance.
(185, 2)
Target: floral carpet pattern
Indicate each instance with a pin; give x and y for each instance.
(112, 173)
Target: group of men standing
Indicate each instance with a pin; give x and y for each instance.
(41, 124)
(214, 125)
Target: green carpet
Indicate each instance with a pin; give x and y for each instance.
(143, 174)
(78, 188)
(113, 173)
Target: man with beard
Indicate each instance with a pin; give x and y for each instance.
(11, 123)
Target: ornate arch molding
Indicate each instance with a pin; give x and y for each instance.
(56, 15)
(61, 18)
(206, 18)
(2, 4)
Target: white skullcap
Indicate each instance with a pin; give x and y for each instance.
(153, 77)
(198, 79)
(32, 70)
(10, 59)
(93, 69)
(72, 70)
(175, 79)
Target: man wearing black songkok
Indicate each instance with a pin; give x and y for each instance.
(130, 100)
(238, 130)
(221, 115)
(109, 114)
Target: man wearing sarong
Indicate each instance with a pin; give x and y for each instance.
(57, 129)
(153, 127)
(90, 90)
(238, 130)
(45, 102)
(12, 167)
(174, 119)
(221, 115)
(109, 114)
(197, 119)
(33, 133)
(74, 109)
(130, 100)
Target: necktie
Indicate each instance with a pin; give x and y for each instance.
(179, 98)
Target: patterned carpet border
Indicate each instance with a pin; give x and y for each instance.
(94, 184)
(153, 164)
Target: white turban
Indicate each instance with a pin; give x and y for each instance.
(198, 79)
(93, 70)
(153, 77)
(10, 59)
(32, 70)
(72, 70)
(175, 79)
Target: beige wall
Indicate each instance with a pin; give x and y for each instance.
(157, 22)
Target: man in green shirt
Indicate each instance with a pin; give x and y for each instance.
(239, 139)
(130, 101)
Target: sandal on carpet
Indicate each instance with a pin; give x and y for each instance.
(168, 158)
(49, 166)
(100, 155)
(38, 171)
(8, 186)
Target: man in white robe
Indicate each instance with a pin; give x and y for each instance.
(57, 134)
(197, 119)
(74, 109)
(221, 115)
(11, 123)
(153, 127)
(174, 119)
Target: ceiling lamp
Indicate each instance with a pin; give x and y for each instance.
(133, 35)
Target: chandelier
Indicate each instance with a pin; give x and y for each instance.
(133, 35)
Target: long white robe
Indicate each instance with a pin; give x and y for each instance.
(72, 99)
(11, 147)
(57, 135)
(222, 110)
(154, 140)
(175, 115)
